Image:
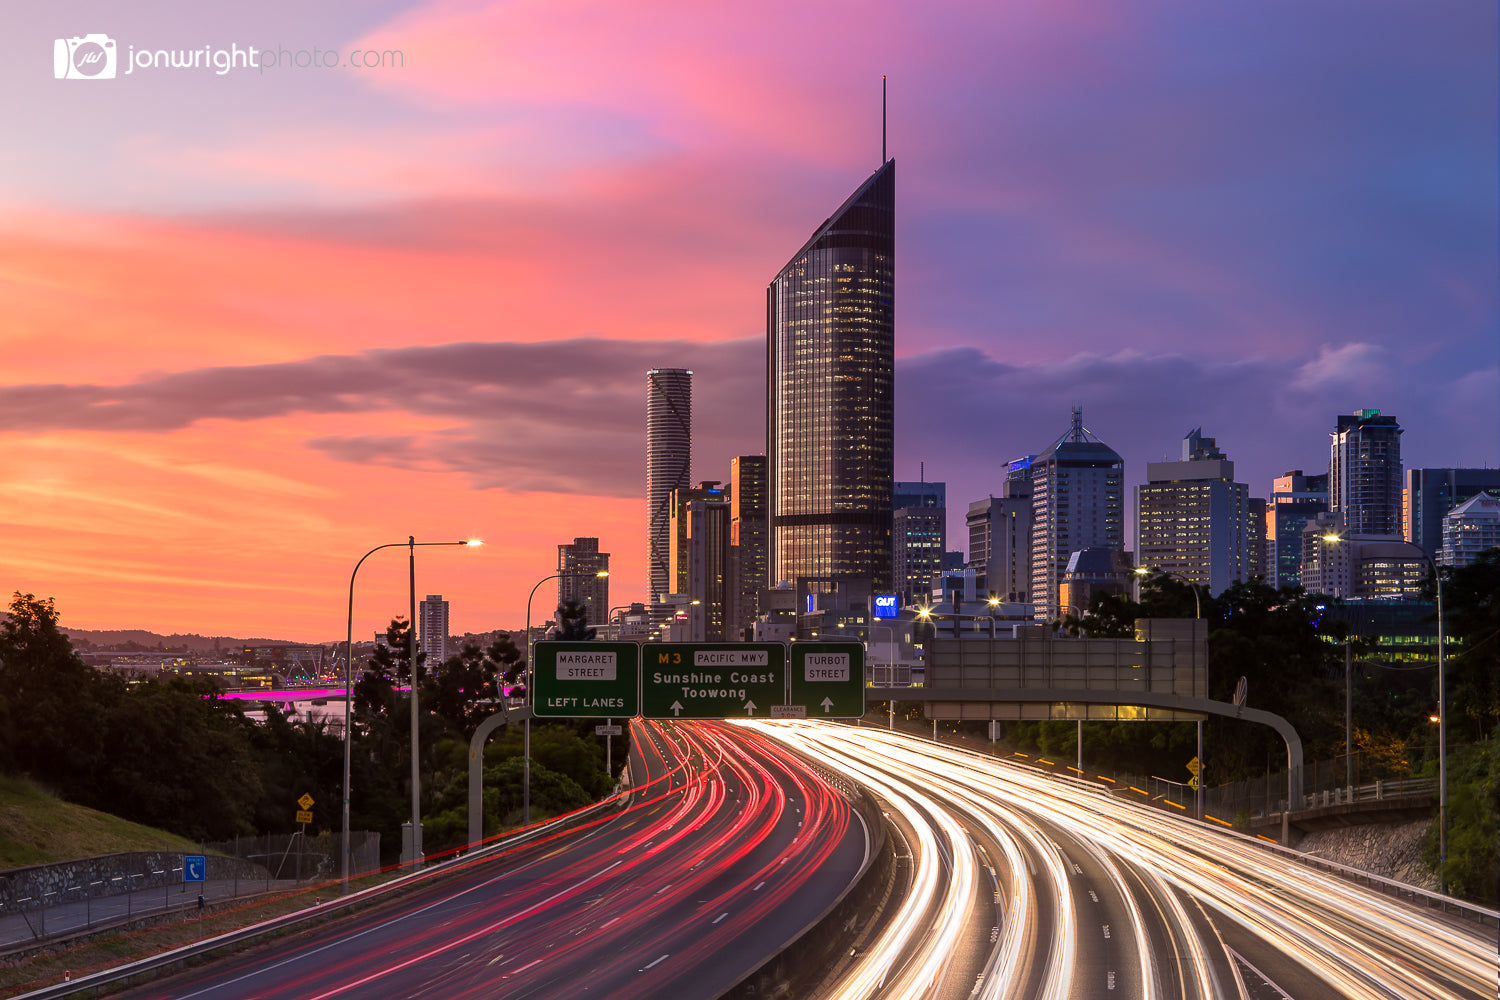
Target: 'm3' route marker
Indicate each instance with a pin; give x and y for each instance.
(712, 680)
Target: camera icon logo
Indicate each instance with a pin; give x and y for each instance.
(91, 57)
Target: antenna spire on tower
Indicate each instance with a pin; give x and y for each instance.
(882, 120)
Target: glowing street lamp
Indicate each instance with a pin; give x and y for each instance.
(1441, 718)
(416, 820)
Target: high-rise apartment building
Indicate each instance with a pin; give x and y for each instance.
(1429, 495)
(919, 531)
(669, 453)
(1078, 502)
(1364, 473)
(580, 565)
(747, 537)
(1193, 519)
(1295, 500)
(432, 630)
(700, 533)
(830, 335)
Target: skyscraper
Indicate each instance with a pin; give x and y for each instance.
(1077, 502)
(1193, 519)
(580, 565)
(830, 337)
(669, 452)
(1295, 500)
(1364, 473)
(747, 536)
(700, 554)
(432, 630)
(919, 533)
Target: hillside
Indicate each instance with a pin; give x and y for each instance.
(37, 828)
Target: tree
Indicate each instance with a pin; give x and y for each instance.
(47, 696)
(1471, 605)
(573, 622)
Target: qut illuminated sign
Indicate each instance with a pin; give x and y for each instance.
(887, 606)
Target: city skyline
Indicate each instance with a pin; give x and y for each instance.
(259, 323)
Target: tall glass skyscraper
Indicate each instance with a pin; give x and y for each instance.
(830, 415)
(669, 453)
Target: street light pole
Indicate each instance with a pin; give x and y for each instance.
(410, 543)
(1437, 579)
(1143, 571)
(526, 726)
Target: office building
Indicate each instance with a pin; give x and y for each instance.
(700, 554)
(830, 335)
(1428, 496)
(1193, 519)
(747, 538)
(1092, 573)
(669, 452)
(432, 630)
(919, 527)
(1000, 544)
(1255, 540)
(1295, 500)
(1469, 529)
(1351, 567)
(580, 565)
(1364, 473)
(1078, 502)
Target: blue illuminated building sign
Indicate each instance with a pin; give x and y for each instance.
(887, 606)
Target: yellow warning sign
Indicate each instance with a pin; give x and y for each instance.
(306, 802)
(304, 816)
(1192, 766)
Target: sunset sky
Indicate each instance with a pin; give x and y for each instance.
(257, 322)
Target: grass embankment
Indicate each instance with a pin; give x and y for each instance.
(37, 828)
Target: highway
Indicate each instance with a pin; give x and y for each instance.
(728, 846)
(1028, 887)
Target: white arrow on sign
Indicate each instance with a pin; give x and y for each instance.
(750, 707)
(676, 707)
(827, 704)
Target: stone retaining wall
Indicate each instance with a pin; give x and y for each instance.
(1390, 850)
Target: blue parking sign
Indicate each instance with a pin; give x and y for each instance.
(194, 868)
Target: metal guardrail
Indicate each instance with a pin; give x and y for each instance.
(316, 912)
(1384, 789)
(1388, 887)
(1378, 791)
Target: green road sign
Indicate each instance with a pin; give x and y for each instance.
(712, 680)
(828, 680)
(585, 680)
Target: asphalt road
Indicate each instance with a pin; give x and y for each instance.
(1028, 887)
(728, 847)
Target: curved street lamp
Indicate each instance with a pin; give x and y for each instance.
(1141, 572)
(416, 820)
(1442, 712)
(526, 748)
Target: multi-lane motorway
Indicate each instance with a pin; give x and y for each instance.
(1023, 886)
(1010, 884)
(728, 846)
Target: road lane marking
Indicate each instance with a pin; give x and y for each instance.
(1106, 932)
(757, 888)
(656, 963)
(721, 916)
